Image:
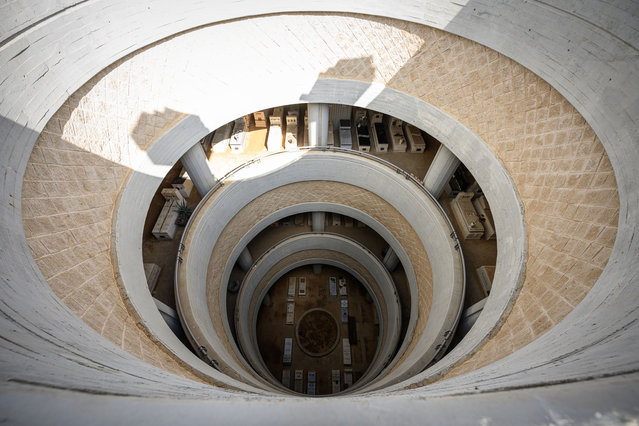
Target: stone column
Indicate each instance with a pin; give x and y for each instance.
(324, 120)
(317, 136)
(245, 260)
(317, 221)
(440, 171)
(197, 166)
(317, 225)
(390, 260)
(318, 124)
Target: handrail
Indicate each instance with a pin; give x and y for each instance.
(221, 181)
(361, 246)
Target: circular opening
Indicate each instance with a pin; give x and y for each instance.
(317, 332)
(442, 316)
(319, 328)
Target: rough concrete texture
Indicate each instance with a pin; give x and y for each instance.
(587, 52)
(561, 171)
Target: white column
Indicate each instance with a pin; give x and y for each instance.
(390, 260)
(318, 124)
(324, 124)
(313, 123)
(440, 171)
(245, 260)
(317, 221)
(197, 166)
(317, 225)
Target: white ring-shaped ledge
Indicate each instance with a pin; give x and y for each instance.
(309, 207)
(254, 289)
(356, 214)
(419, 209)
(152, 165)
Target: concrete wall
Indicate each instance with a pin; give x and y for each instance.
(330, 249)
(226, 220)
(587, 52)
(564, 240)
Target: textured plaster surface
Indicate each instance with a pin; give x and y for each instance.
(586, 51)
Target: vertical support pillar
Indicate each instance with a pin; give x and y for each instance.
(324, 121)
(317, 225)
(313, 124)
(440, 171)
(318, 124)
(390, 260)
(245, 260)
(197, 166)
(317, 221)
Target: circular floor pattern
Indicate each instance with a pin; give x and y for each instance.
(317, 332)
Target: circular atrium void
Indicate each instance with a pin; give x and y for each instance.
(290, 190)
(299, 185)
(331, 324)
(356, 207)
(525, 96)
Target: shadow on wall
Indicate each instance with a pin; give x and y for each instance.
(68, 197)
(63, 221)
(361, 69)
(151, 125)
(30, 311)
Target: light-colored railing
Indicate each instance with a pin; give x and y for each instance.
(221, 181)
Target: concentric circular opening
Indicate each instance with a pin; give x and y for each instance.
(233, 226)
(323, 321)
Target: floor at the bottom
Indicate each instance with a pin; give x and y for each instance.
(272, 329)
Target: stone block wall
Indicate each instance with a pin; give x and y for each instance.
(563, 176)
(559, 167)
(70, 188)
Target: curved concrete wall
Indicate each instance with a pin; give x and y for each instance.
(377, 226)
(328, 249)
(573, 257)
(229, 214)
(587, 52)
(128, 221)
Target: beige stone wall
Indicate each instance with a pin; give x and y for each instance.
(69, 191)
(557, 163)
